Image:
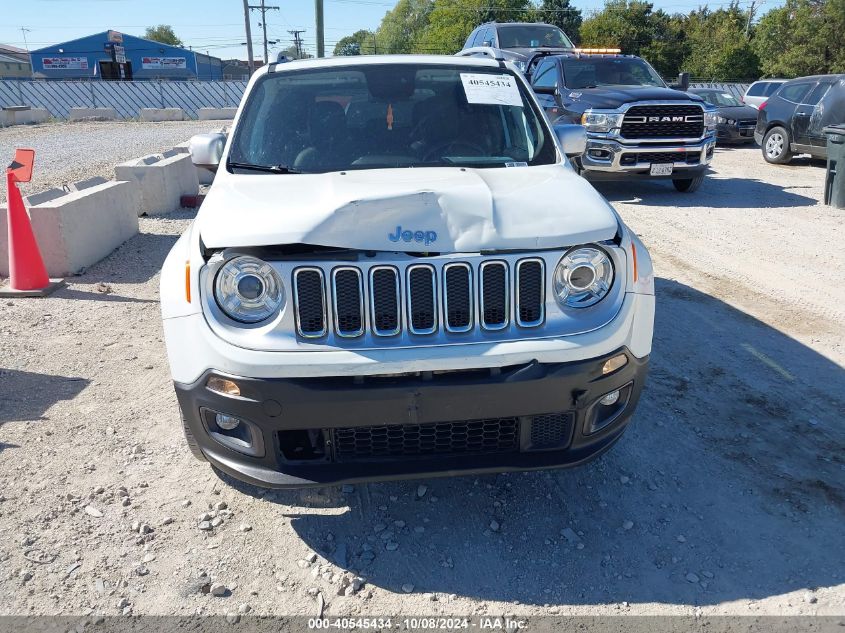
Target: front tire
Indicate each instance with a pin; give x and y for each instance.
(776, 146)
(688, 185)
(191, 440)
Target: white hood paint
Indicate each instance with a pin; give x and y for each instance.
(470, 210)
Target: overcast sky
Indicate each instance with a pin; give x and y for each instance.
(217, 26)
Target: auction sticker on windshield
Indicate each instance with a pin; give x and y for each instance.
(491, 89)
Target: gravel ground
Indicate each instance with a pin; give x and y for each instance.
(67, 152)
(726, 495)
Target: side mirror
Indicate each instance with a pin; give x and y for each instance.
(545, 90)
(573, 138)
(487, 43)
(207, 150)
(683, 82)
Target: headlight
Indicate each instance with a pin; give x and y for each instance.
(583, 277)
(601, 121)
(248, 290)
(710, 120)
(721, 119)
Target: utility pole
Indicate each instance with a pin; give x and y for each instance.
(264, 9)
(248, 37)
(750, 17)
(318, 12)
(297, 41)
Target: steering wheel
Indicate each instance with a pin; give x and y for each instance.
(438, 150)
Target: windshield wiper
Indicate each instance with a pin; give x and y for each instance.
(270, 169)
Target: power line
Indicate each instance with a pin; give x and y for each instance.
(264, 9)
(297, 41)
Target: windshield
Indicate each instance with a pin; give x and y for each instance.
(532, 36)
(592, 72)
(389, 115)
(718, 98)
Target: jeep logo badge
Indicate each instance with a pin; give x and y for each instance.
(423, 237)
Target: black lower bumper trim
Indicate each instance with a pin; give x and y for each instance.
(414, 425)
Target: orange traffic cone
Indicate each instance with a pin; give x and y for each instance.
(27, 274)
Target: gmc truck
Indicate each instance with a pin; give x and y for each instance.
(637, 126)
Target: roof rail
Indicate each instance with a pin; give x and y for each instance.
(487, 51)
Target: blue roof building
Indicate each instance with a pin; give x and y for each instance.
(112, 55)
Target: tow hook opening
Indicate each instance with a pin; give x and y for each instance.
(303, 444)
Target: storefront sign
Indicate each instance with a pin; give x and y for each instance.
(65, 63)
(165, 63)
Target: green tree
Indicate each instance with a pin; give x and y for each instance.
(401, 29)
(637, 29)
(803, 37)
(359, 43)
(717, 46)
(162, 33)
(451, 21)
(562, 14)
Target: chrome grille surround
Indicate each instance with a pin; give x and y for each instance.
(485, 273)
(380, 310)
(299, 285)
(415, 299)
(523, 293)
(454, 319)
(338, 310)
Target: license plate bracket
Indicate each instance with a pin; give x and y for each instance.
(661, 169)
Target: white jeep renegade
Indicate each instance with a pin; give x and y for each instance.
(396, 273)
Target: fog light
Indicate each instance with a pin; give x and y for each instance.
(229, 423)
(224, 386)
(610, 398)
(612, 364)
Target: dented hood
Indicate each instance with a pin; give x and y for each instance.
(419, 210)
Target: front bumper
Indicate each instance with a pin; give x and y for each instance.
(734, 133)
(295, 427)
(609, 158)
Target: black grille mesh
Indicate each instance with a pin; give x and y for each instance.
(422, 299)
(691, 158)
(348, 301)
(309, 302)
(530, 294)
(662, 129)
(458, 297)
(551, 430)
(494, 293)
(440, 438)
(385, 305)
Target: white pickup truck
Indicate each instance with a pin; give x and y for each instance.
(397, 273)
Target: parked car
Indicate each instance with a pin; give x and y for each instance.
(637, 127)
(734, 122)
(396, 273)
(761, 90)
(792, 120)
(517, 42)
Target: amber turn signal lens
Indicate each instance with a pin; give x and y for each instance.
(612, 364)
(221, 385)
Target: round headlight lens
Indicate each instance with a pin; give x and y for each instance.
(249, 290)
(583, 277)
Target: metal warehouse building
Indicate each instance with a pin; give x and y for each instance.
(115, 56)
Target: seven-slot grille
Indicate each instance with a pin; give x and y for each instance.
(422, 297)
(663, 121)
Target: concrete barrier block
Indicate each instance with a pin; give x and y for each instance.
(204, 176)
(92, 114)
(162, 181)
(212, 114)
(80, 228)
(162, 114)
(23, 115)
